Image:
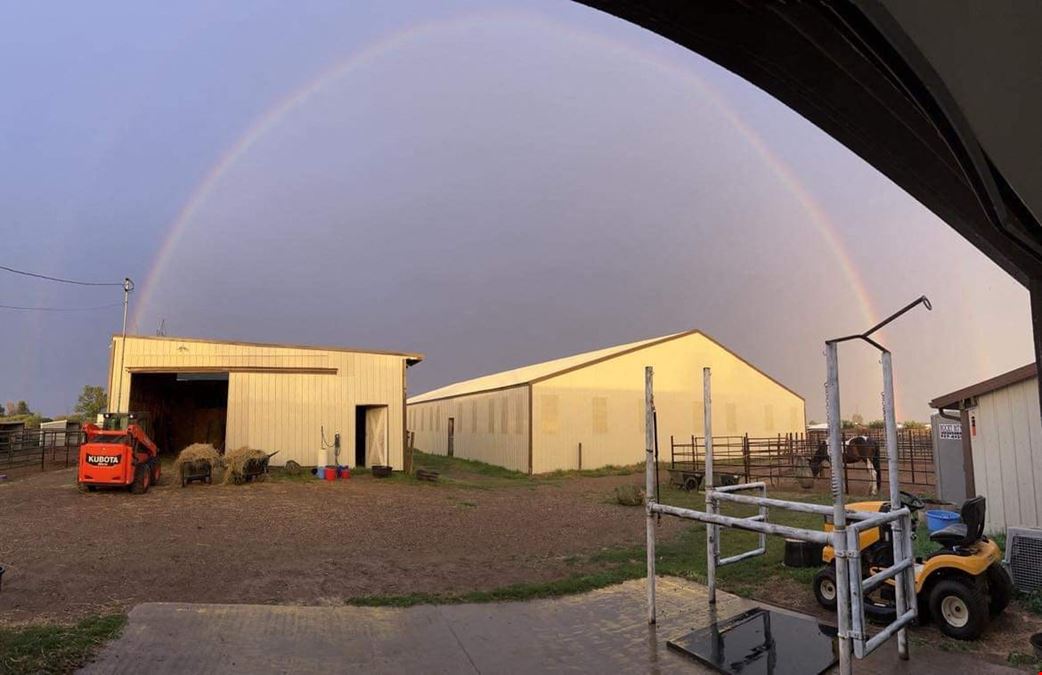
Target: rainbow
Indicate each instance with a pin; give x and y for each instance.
(387, 44)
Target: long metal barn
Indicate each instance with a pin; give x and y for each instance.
(585, 412)
(291, 399)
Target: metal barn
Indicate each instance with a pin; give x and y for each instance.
(587, 411)
(287, 398)
(1002, 445)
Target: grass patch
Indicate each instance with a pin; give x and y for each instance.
(1032, 602)
(682, 556)
(56, 648)
(280, 475)
(1021, 659)
(578, 583)
(610, 470)
(455, 465)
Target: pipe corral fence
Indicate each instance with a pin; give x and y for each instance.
(784, 460)
(851, 588)
(40, 449)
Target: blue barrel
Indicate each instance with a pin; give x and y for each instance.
(320, 473)
(938, 520)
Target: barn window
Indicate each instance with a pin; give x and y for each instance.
(504, 416)
(474, 416)
(731, 412)
(768, 417)
(491, 415)
(548, 417)
(600, 415)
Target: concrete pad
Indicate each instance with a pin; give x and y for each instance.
(602, 631)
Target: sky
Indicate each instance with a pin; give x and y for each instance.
(489, 183)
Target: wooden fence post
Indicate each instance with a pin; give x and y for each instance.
(745, 455)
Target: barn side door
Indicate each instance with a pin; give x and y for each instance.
(452, 430)
(376, 435)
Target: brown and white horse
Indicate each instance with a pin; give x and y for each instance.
(855, 450)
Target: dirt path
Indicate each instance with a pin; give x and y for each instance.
(70, 554)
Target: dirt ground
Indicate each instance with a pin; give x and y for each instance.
(69, 554)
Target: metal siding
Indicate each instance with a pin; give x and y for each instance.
(678, 384)
(284, 411)
(505, 447)
(1007, 455)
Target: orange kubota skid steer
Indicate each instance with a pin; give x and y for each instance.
(119, 454)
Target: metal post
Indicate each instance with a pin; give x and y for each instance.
(128, 286)
(839, 513)
(649, 485)
(712, 531)
(897, 527)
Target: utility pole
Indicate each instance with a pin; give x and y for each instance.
(128, 286)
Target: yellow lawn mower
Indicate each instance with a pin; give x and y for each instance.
(960, 586)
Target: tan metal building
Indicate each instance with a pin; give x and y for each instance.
(1002, 445)
(273, 397)
(534, 418)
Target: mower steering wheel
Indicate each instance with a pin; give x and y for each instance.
(911, 501)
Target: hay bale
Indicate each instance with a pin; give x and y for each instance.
(629, 495)
(293, 468)
(198, 452)
(235, 462)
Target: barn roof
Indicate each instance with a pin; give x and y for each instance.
(954, 399)
(411, 358)
(547, 369)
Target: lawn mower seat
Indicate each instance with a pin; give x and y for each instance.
(970, 530)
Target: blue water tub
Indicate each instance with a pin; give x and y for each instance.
(938, 520)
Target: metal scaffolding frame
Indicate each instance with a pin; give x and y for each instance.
(851, 588)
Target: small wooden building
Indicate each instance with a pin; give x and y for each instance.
(1002, 445)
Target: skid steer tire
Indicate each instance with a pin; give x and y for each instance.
(141, 480)
(959, 607)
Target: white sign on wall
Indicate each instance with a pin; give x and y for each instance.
(951, 432)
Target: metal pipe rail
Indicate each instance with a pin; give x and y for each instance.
(877, 519)
(801, 507)
(863, 649)
(878, 578)
(814, 536)
(741, 486)
(740, 557)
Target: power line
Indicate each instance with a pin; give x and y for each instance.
(58, 279)
(24, 308)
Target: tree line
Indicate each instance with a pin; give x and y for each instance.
(92, 401)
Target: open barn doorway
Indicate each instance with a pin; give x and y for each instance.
(185, 408)
(370, 435)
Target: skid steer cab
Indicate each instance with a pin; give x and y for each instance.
(960, 586)
(119, 454)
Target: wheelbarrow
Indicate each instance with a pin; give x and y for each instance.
(686, 478)
(199, 470)
(254, 468)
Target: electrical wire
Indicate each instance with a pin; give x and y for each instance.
(25, 308)
(58, 279)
